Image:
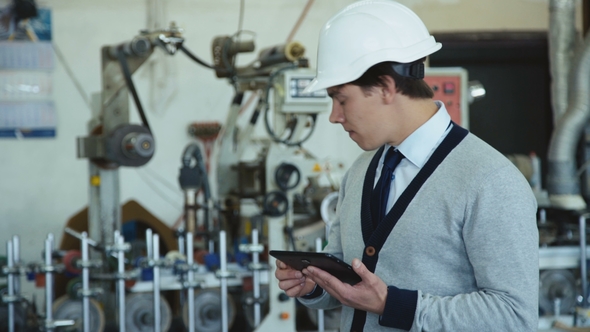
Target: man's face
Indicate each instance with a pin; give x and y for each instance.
(363, 114)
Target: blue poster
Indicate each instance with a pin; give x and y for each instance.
(33, 29)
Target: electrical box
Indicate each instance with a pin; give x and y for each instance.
(289, 96)
(450, 86)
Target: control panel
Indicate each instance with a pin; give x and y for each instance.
(450, 86)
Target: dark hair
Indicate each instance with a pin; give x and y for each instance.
(412, 87)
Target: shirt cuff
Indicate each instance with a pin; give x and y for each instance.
(316, 292)
(400, 308)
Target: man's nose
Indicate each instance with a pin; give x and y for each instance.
(336, 114)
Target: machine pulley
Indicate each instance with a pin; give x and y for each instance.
(140, 313)
(208, 311)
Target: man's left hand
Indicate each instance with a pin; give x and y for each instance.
(368, 295)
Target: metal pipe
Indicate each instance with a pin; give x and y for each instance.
(256, 279)
(49, 282)
(148, 243)
(10, 254)
(119, 240)
(190, 280)
(583, 269)
(223, 268)
(85, 283)
(16, 254)
(191, 210)
(156, 258)
(318, 248)
(562, 181)
(562, 35)
(193, 151)
(181, 240)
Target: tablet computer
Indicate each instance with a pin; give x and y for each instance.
(327, 262)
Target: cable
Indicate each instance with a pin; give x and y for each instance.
(195, 58)
(127, 76)
(241, 20)
(239, 32)
(162, 180)
(70, 73)
(158, 191)
(269, 130)
(289, 231)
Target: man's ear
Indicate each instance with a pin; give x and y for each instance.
(388, 90)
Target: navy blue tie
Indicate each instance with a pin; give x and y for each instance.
(381, 191)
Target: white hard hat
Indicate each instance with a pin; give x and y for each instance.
(366, 33)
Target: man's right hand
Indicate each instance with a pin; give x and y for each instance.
(292, 281)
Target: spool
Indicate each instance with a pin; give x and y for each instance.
(70, 259)
(140, 312)
(208, 311)
(65, 308)
(72, 288)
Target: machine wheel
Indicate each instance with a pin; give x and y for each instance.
(275, 204)
(557, 285)
(287, 176)
(248, 306)
(328, 208)
(66, 308)
(140, 313)
(208, 311)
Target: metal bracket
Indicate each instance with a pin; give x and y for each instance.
(257, 267)
(10, 298)
(89, 263)
(251, 248)
(52, 324)
(91, 292)
(224, 274)
(125, 247)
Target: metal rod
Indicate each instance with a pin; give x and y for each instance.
(85, 283)
(10, 254)
(191, 210)
(583, 268)
(223, 268)
(190, 277)
(156, 257)
(79, 236)
(16, 254)
(256, 279)
(318, 248)
(119, 240)
(211, 246)
(181, 241)
(148, 243)
(49, 282)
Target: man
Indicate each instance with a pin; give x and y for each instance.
(454, 245)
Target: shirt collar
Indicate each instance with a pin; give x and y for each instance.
(419, 145)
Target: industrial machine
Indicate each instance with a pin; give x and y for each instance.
(214, 263)
(259, 191)
(267, 192)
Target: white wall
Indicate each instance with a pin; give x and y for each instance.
(43, 183)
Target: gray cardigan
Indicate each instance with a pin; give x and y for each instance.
(465, 251)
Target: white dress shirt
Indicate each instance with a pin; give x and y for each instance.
(416, 148)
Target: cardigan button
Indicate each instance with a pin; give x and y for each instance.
(370, 251)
